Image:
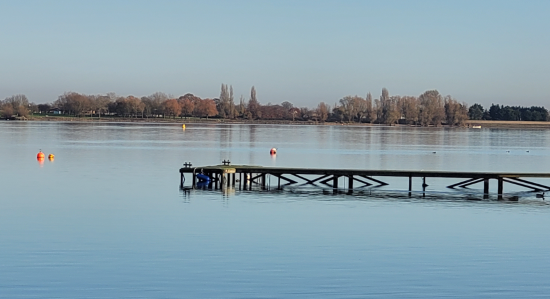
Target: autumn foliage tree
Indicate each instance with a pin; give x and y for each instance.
(172, 107)
(206, 108)
(187, 104)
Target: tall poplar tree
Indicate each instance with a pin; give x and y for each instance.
(253, 104)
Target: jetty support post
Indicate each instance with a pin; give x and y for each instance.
(500, 188)
(350, 184)
(263, 181)
(335, 184)
(410, 185)
(240, 180)
(485, 188)
(424, 185)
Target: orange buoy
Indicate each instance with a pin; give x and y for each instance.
(273, 151)
(40, 155)
(51, 157)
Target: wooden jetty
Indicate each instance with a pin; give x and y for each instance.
(245, 177)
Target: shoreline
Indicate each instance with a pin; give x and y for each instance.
(468, 124)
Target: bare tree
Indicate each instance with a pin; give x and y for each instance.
(431, 110)
(322, 111)
(360, 107)
(136, 106)
(100, 103)
(349, 108)
(370, 109)
(19, 105)
(287, 105)
(226, 104)
(409, 109)
(387, 110)
(7, 110)
(241, 109)
(73, 103)
(456, 113)
(157, 100)
(232, 109)
(223, 102)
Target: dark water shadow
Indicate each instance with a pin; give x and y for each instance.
(455, 197)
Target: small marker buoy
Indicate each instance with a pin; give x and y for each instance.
(183, 126)
(40, 155)
(273, 151)
(51, 157)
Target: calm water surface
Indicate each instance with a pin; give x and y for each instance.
(106, 219)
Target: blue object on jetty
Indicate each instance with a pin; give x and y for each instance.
(203, 178)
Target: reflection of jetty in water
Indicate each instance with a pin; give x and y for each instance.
(229, 178)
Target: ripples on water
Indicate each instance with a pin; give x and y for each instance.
(106, 219)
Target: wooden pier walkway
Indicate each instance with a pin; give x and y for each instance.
(245, 177)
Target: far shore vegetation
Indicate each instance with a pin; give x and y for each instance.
(428, 109)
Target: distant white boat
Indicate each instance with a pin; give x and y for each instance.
(476, 127)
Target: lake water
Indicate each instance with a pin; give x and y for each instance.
(107, 219)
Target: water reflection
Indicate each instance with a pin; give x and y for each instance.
(458, 198)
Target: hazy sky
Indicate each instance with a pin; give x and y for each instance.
(304, 52)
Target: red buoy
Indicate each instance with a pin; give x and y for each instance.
(273, 151)
(40, 155)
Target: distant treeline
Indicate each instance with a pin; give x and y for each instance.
(428, 109)
(497, 112)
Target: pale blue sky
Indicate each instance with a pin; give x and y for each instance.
(304, 52)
